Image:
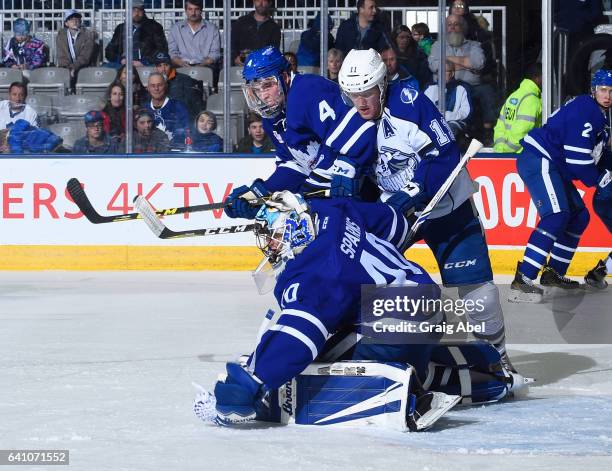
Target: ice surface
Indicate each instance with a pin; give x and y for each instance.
(102, 364)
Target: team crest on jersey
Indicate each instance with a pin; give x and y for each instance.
(408, 95)
(388, 129)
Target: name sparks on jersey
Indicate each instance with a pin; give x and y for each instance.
(351, 238)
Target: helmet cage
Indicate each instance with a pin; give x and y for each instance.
(253, 91)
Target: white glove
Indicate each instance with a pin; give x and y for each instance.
(287, 201)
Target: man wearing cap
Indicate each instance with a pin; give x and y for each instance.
(74, 45)
(96, 139)
(194, 41)
(147, 138)
(180, 86)
(24, 51)
(148, 37)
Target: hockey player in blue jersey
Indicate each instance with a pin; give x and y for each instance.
(320, 142)
(323, 252)
(568, 147)
(416, 153)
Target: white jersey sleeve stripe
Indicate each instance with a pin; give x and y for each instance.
(393, 227)
(530, 140)
(295, 166)
(334, 135)
(309, 317)
(579, 162)
(581, 150)
(298, 335)
(356, 136)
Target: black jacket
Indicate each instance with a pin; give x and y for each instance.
(148, 39)
(348, 36)
(189, 91)
(246, 35)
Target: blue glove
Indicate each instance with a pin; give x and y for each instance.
(237, 205)
(344, 181)
(240, 398)
(408, 200)
(603, 191)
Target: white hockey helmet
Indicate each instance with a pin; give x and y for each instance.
(361, 71)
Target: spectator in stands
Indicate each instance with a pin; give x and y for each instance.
(139, 91)
(180, 86)
(468, 59)
(194, 41)
(309, 51)
(204, 137)
(394, 71)
(458, 105)
(171, 116)
(96, 140)
(420, 33)
(363, 30)
(147, 138)
(24, 51)
(335, 57)
(148, 36)
(254, 31)
(75, 45)
(257, 142)
(15, 107)
(521, 112)
(115, 110)
(293, 61)
(412, 59)
(21, 137)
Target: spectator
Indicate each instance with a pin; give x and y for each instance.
(115, 110)
(334, 62)
(468, 59)
(75, 45)
(148, 36)
(181, 87)
(257, 142)
(139, 92)
(147, 138)
(204, 137)
(293, 61)
(21, 137)
(194, 41)
(362, 30)
(96, 140)
(309, 51)
(420, 33)
(521, 112)
(458, 105)
(254, 31)
(23, 51)
(15, 107)
(394, 71)
(171, 116)
(410, 57)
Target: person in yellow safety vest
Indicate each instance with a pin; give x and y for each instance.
(521, 112)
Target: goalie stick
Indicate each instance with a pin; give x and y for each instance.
(471, 151)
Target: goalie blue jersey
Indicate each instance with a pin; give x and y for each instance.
(316, 128)
(416, 144)
(574, 138)
(319, 291)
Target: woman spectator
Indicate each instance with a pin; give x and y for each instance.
(410, 56)
(335, 57)
(139, 92)
(204, 138)
(293, 61)
(115, 109)
(23, 51)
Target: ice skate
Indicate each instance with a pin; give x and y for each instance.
(551, 279)
(596, 277)
(523, 290)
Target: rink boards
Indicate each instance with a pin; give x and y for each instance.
(43, 229)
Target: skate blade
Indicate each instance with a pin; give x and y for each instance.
(520, 297)
(440, 405)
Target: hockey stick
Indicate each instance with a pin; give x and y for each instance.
(471, 151)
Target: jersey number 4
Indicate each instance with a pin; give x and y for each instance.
(326, 111)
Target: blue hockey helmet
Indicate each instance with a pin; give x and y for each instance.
(265, 88)
(602, 77)
(283, 227)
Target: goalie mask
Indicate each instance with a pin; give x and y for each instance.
(265, 89)
(283, 228)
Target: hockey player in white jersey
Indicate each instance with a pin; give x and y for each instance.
(416, 153)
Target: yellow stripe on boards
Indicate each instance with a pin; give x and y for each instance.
(121, 257)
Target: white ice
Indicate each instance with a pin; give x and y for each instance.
(102, 364)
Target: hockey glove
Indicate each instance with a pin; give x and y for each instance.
(239, 397)
(237, 203)
(604, 186)
(344, 181)
(408, 200)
